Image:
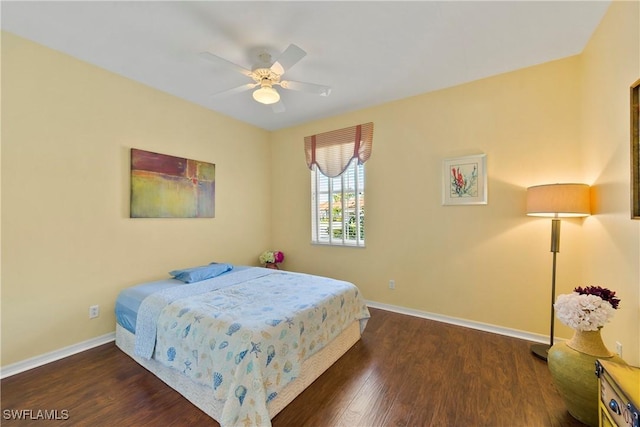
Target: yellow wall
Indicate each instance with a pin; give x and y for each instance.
(488, 264)
(68, 243)
(610, 64)
(483, 263)
(67, 239)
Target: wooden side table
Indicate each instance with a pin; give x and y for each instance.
(619, 398)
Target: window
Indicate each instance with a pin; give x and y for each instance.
(336, 160)
(337, 207)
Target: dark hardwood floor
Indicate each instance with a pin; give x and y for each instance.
(405, 371)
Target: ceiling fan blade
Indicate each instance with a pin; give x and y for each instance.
(235, 90)
(278, 107)
(306, 87)
(288, 59)
(218, 60)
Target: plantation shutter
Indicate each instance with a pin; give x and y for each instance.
(331, 152)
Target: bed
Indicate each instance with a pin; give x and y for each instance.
(242, 344)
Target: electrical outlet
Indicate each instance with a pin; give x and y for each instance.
(94, 311)
(619, 348)
(392, 284)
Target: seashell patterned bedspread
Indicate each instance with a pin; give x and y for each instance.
(248, 340)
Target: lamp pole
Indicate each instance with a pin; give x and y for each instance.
(541, 350)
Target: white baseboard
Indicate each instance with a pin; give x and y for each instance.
(514, 333)
(34, 362)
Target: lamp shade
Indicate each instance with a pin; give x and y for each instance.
(559, 200)
(266, 95)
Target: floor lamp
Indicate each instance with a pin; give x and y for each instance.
(556, 201)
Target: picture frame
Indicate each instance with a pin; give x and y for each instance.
(164, 186)
(635, 149)
(464, 180)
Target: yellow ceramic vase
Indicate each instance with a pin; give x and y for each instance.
(572, 366)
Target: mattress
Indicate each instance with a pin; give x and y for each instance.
(242, 345)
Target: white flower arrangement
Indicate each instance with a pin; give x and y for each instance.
(586, 309)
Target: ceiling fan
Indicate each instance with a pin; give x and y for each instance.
(268, 73)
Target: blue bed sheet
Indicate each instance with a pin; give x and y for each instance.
(129, 300)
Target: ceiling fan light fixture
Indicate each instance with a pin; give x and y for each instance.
(266, 95)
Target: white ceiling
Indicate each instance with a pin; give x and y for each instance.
(368, 52)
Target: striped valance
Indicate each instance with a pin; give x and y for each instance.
(331, 152)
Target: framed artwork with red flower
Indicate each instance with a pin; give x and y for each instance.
(464, 180)
(635, 150)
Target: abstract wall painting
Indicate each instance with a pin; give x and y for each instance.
(464, 180)
(165, 186)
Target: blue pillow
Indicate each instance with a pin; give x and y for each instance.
(196, 274)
